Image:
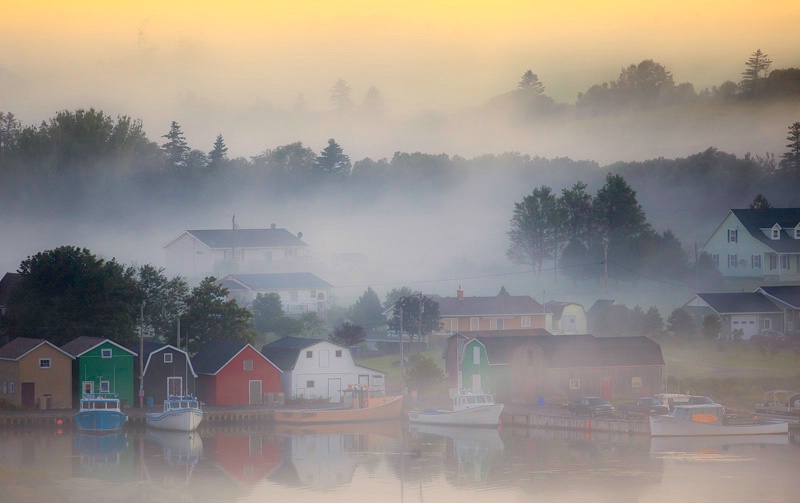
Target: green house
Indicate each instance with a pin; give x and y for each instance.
(480, 370)
(101, 366)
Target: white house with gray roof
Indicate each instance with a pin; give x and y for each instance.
(224, 251)
(300, 292)
(757, 243)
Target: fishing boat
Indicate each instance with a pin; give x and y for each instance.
(711, 419)
(180, 413)
(100, 413)
(360, 403)
(470, 408)
(780, 404)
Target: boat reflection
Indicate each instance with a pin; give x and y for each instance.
(713, 444)
(102, 456)
(179, 448)
(474, 449)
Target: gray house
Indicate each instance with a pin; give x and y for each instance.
(749, 312)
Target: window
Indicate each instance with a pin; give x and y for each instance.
(784, 261)
(44, 363)
(773, 262)
(309, 384)
(88, 387)
(338, 353)
(574, 384)
(776, 232)
(199, 252)
(755, 261)
(499, 324)
(474, 324)
(715, 260)
(636, 382)
(5, 387)
(105, 353)
(248, 365)
(766, 324)
(105, 386)
(290, 253)
(11, 387)
(293, 296)
(797, 232)
(167, 357)
(733, 235)
(526, 321)
(732, 261)
(476, 355)
(309, 354)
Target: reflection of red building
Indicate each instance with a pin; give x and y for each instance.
(247, 458)
(234, 373)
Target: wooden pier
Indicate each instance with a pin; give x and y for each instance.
(136, 417)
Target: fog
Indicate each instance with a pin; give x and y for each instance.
(238, 70)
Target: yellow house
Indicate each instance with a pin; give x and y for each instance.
(569, 318)
(35, 374)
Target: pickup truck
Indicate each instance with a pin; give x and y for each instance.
(643, 407)
(592, 406)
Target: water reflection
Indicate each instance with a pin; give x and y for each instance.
(392, 462)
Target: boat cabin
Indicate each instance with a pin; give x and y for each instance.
(181, 402)
(468, 399)
(362, 397)
(100, 401)
(703, 413)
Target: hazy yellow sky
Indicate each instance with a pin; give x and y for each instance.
(141, 57)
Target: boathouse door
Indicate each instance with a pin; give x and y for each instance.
(335, 390)
(255, 393)
(28, 394)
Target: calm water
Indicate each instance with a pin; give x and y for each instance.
(393, 463)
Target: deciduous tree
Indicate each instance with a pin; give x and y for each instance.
(348, 335)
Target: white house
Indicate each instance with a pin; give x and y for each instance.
(300, 292)
(757, 243)
(317, 368)
(223, 251)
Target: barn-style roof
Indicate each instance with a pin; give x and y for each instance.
(151, 347)
(284, 351)
(215, 354)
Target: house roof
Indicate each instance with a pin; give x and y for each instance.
(284, 351)
(748, 302)
(599, 306)
(579, 351)
(789, 295)
(215, 354)
(7, 283)
(274, 281)
(77, 347)
(557, 308)
(21, 346)
(244, 238)
(489, 306)
(786, 218)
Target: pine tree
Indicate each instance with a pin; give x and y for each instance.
(530, 82)
(219, 154)
(176, 149)
(756, 68)
(340, 97)
(332, 160)
(791, 159)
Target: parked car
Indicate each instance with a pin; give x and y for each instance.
(643, 407)
(774, 338)
(592, 406)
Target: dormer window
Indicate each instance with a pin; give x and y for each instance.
(776, 232)
(797, 231)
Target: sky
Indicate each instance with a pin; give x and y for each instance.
(163, 61)
(237, 68)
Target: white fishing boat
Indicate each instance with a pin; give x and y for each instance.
(711, 419)
(180, 413)
(470, 408)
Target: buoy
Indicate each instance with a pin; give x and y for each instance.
(59, 422)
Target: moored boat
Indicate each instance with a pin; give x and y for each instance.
(361, 403)
(780, 404)
(711, 419)
(470, 408)
(180, 413)
(100, 413)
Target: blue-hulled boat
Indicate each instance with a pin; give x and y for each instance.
(100, 413)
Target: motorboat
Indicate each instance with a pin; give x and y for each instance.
(470, 408)
(359, 403)
(780, 404)
(180, 413)
(100, 413)
(711, 419)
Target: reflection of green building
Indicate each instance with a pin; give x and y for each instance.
(101, 366)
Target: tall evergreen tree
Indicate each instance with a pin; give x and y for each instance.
(175, 148)
(340, 97)
(532, 233)
(790, 161)
(530, 83)
(368, 311)
(333, 161)
(756, 68)
(219, 154)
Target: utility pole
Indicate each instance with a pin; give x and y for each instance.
(402, 357)
(141, 356)
(233, 243)
(419, 323)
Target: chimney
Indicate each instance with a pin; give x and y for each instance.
(272, 226)
(459, 293)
